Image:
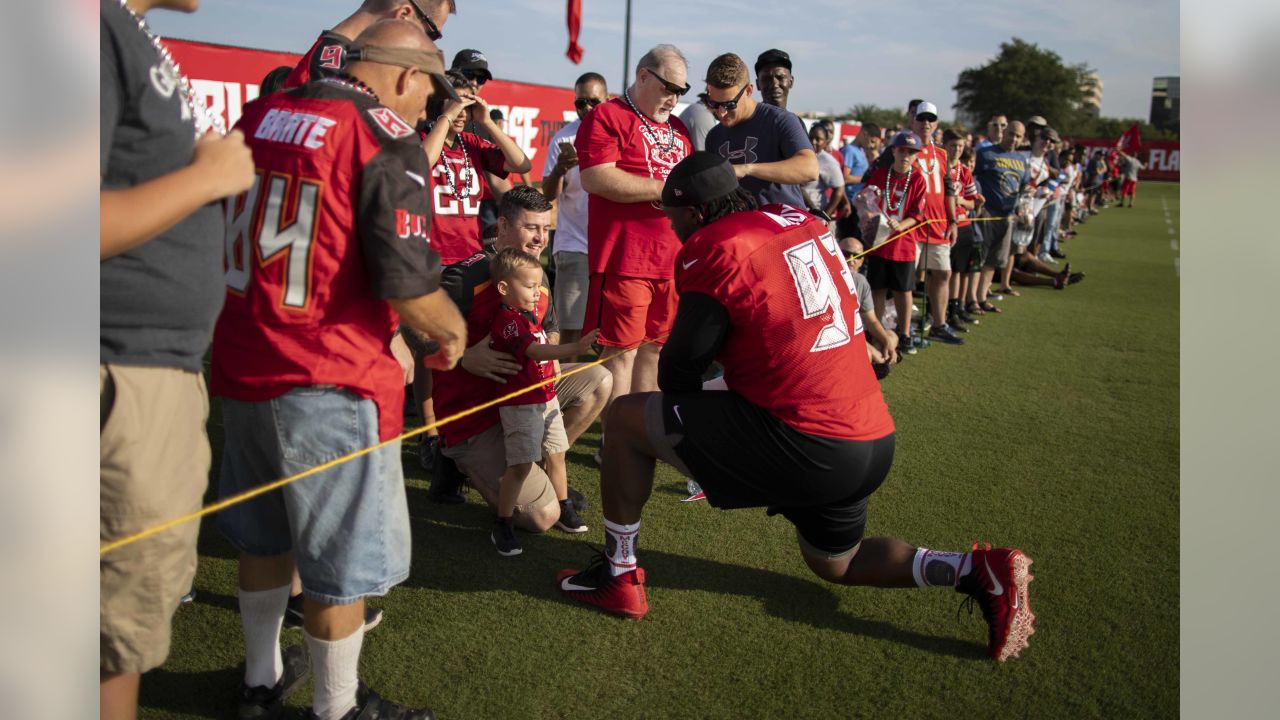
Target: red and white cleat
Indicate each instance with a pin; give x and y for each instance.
(621, 595)
(997, 581)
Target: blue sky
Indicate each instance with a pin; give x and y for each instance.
(844, 52)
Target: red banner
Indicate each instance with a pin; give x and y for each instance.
(1162, 157)
(229, 77)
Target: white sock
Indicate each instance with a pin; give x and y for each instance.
(261, 615)
(935, 568)
(335, 664)
(620, 546)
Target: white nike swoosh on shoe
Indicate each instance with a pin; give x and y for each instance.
(992, 574)
(568, 584)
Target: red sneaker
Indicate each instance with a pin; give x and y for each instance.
(997, 581)
(596, 585)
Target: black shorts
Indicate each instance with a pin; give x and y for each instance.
(895, 275)
(968, 253)
(743, 457)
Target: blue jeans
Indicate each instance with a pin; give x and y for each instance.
(1051, 227)
(347, 526)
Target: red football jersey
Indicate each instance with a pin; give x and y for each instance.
(336, 222)
(931, 166)
(631, 239)
(967, 188)
(513, 331)
(796, 345)
(911, 186)
(325, 59)
(458, 186)
(477, 298)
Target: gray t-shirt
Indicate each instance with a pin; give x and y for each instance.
(829, 178)
(1129, 168)
(699, 120)
(864, 293)
(158, 301)
(769, 135)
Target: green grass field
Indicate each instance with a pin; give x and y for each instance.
(1055, 429)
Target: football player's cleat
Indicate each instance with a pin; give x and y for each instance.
(596, 585)
(997, 581)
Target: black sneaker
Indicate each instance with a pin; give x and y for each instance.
(569, 521)
(427, 451)
(968, 317)
(956, 322)
(1056, 254)
(504, 538)
(372, 706)
(579, 502)
(448, 484)
(905, 347)
(293, 614)
(1074, 278)
(945, 334)
(264, 702)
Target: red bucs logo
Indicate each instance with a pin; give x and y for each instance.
(410, 224)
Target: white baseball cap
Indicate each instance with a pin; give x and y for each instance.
(927, 108)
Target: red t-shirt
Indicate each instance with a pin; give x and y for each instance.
(912, 206)
(795, 346)
(513, 331)
(962, 176)
(325, 58)
(931, 166)
(453, 391)
(334, 225)
(632, 239)
(457, 187)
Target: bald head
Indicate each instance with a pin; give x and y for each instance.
(403, 89)
(1013, 135)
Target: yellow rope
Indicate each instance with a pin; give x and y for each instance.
(277, 484)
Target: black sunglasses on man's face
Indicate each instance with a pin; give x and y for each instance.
(670, 87)
(475, 76)
(729, 105)
(433, 32)
(585, 103)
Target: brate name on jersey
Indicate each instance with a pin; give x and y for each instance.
(294, 128)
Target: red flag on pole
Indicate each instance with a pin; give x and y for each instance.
(574, 53)
(1130, 142)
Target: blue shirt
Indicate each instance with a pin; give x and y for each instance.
(1001, 176)
(769, 135)
(855, 158)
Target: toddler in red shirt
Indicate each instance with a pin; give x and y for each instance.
(531, 422)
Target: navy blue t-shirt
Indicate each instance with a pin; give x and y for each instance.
(1001, 176)
(769, 135)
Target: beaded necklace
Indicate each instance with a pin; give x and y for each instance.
(356, 83)
(451, 180)
(654, 137)
(205, 119)
(888, 190)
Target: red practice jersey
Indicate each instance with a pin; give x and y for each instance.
(907, 190)
(631, 239)
(796, 346)
(336, 222)
(967, 188)
(325, 59)
(931, 166)
(468, 284)
(513, 331)
(458, 186)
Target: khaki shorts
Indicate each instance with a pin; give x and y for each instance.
(154, 467)
(482, 458)
(933, 257)
(532, 432)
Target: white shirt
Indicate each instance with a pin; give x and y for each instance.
(571, 215)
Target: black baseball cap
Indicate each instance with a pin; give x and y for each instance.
(773, 57)
(472, 60)
(700, 178)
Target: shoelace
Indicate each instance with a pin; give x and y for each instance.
(969, 600)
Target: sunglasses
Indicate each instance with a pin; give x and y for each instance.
(433, 32)
(725, 105)
(474, 76)
(584, 103)
(670, 87)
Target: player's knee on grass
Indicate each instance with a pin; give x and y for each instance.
(831, 567)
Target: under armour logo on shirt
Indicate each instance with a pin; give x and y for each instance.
(746, 155)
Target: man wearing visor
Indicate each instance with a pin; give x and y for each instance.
(326, 254)
(802, 428)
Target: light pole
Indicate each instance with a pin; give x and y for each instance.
(626, 48)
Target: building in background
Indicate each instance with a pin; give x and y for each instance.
(1165, 103)
(1091, 86)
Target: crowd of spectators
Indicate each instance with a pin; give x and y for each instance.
(425, 269)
